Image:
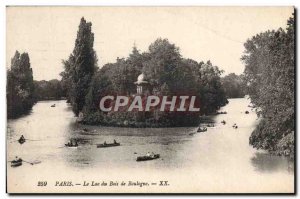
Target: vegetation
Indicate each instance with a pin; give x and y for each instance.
(166, 71)
(80, 67)
(167, 74)
(270, 77)
(20, 87)
(233, 85)
(49, 90)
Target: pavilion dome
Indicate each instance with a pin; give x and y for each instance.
(141, 79)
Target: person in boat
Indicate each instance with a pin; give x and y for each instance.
(152, 155)
(148, 154)
(21, 139)
(71, 142)
(17, 159)
(104, 142)
(115, 142)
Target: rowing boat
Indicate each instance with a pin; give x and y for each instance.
(16, 163)
(108, 145)
(145, 158)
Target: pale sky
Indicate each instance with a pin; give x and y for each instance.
(202, 33)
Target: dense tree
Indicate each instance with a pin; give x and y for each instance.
(167, 74)
(233, 85)
(49, 90)
(80, 67)
(269, 73)
(209, 87)
(20, 87)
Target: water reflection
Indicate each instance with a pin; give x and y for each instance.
(215, 155)
(264, 162)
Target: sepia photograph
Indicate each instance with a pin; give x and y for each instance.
(150, 100)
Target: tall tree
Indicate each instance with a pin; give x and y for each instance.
(269, 72)
(20, 87)
(81, 66)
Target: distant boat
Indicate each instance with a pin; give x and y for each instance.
(71, 144)
(145, 158)
(246, 112)
(210, 125)
(235, 126)
(108, 145)
(222, 112)
(53, 105)
(201, 129)
(21, 140)
(16, 163)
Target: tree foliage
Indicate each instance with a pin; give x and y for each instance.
(233, 85)
(269, 73)
(20, 87)
(167, 73)
(49, 90)
(80, 67)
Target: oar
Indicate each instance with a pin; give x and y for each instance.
(14, 141)
(32, 163)
(24, 140)
(33, 140)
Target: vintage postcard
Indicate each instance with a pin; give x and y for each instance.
(150, 99)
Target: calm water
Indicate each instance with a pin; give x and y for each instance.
(219, 160)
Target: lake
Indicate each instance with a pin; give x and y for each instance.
(218, 160)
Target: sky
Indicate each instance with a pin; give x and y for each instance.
(202, 33)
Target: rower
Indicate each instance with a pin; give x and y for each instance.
(152, 155)
(21, 140)
(17, 159)
(115, 142)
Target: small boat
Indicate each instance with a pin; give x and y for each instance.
(145, 158)
(72, 144)
(16, 163)
(246, 112)
(223, 122)
(21, 140)
(108, 145)
(53, 105)
(235, 126)
(222, 112)
(210, 125)
(201, 129)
